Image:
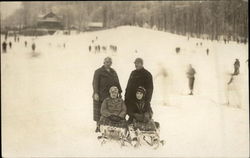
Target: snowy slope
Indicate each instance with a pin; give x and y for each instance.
(47, 104)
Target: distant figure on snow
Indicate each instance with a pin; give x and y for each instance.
(89, 48)
(190, 75)
(236, 70)
(10, 44)
(33, 46)
(25, 43)
(207, 50)
(4, 47)
(177, 50)
(162, 79)
(236, 67)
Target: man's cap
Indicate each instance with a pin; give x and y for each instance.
(139, 60)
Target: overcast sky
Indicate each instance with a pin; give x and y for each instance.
(7, 8)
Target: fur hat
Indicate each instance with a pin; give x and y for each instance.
(113, 89)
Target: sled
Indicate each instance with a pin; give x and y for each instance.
(111, 133)
(142, 138)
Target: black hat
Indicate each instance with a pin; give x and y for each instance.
(139, 60)
(141, 89)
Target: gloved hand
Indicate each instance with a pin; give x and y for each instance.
(115, 118)
(139, 117)
(146, 117)
(96, 97)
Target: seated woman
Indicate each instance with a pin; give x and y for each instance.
(141, 113)
(113, 110)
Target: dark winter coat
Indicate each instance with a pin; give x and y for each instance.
(102, 82)
(140, 111)
(138, 78)
(141, 116)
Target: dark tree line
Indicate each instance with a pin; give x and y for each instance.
(212, 18)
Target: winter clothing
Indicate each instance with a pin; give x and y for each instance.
(139, 60)
(113, 112)
(191, 83)
(138, 78)
(140, 113)
(102, 82)
(190, 74)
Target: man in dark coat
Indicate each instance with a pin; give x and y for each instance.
(104, 78)
(139, 77)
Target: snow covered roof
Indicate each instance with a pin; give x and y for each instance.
(51, 17)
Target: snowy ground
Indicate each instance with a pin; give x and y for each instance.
(47, 104)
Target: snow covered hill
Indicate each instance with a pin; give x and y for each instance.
(47, 100)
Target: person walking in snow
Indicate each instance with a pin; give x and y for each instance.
(139, 77)
(190, 75)
(25, 43)
(104, 78)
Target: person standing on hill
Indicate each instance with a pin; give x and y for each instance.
(190, 75)
(104, 78)
(139, 77)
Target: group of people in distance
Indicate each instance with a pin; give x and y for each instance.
(109, 107)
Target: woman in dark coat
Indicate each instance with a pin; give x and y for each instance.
(141, 112)
(104, 78)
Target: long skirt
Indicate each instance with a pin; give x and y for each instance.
(107, 122)
(97, 110)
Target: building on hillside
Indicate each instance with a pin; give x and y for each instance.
(92, 26)
(50, 21)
